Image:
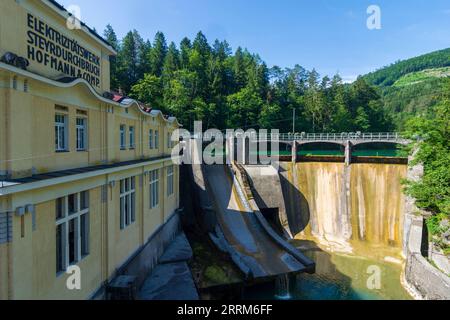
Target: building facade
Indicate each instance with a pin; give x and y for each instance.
(86, 176)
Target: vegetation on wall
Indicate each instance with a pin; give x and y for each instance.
(432, 192)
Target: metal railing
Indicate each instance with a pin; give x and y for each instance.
(380, 136)
(344, 136)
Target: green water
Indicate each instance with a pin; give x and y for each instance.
(320, 153)
(378, 153)
(339, 277)
(355, 153)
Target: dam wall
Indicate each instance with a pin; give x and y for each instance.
(343, 207)
(420, 277)
(359, 208)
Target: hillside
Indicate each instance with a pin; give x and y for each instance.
(388, 75)
(411, 87)
(422, 76)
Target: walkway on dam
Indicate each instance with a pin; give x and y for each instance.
(261, 250)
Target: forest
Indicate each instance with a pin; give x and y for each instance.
(431, 133)
(198, 80)
(412, 87)
(387, 76)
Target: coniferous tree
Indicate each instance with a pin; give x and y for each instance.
(185, 48)
(128, 62)
(158, 54)
(203, 82)
(171, 62)
(239, 69)
(144, 62)
(110, 35)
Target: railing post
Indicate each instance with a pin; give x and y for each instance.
(294, 151)
(348, 153)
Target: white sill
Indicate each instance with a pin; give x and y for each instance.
(61, 273)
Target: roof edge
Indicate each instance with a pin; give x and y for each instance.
(25, 73)
(60, 10)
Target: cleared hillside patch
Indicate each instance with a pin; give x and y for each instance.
(421, 76)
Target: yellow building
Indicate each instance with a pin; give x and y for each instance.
(86, 177)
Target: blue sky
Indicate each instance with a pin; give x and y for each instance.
(329, 35)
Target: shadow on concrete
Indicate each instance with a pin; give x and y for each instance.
(243, 231)
(198, 214)
(297, 207)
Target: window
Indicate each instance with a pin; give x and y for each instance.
(127, 202)
(150, 139)
(73, 204)
(156, 139)
(169, 181)
(60, 132)
(154, 188)
(132, 144)
(81, 134)
(122, 136)
(72, 229)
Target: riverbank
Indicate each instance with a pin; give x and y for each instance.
(340, 276)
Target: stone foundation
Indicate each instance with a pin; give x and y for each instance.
(145, 259)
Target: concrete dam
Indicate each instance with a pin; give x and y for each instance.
(346, 218)
(318, 221)
(236, 226)
(345, 208)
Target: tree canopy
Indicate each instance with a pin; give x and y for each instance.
(197, 80)
(432, 130)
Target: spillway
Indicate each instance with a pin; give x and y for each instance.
(237, 227)
(347, 208)
(346, 218)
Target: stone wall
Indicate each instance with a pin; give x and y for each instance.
(429, 282)
(439, 258)
(143, 261)
(424, 279)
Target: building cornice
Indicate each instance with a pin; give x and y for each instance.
(62, 12)
(13, 188)
(79, 81)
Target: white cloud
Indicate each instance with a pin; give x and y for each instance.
(349, 78)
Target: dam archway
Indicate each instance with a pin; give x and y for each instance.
(377, 149)
(328, 148)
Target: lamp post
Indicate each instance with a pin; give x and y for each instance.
(293, 121)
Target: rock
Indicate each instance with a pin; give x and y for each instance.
(446, 234)
(445, 224)
(446, 237)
